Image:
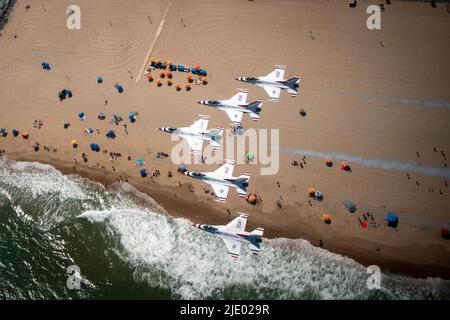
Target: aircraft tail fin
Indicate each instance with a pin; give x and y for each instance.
(293, 84)
(258, 232)
(255, 240)
(242, 183)
(255, 108)
(216, 136)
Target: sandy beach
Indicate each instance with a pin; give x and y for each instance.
(377, 97)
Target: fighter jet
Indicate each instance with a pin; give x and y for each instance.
(274, 82)
(222, 179)
(233, 234)
(236, 106)
(197, 133)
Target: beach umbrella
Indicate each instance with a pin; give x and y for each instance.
(36, 147)
(95, 147)
(132, 117)
(111, 134)
(74, 143)
(345, 166)
(15, 132)
(182, 168)
(99, 79)
(197, 67)
(82, 116)
(118, 87)
(350, 206)
(25, 135)
(326, 218)
(318, 195)
(392, 219)
(329, 163)
(140, 162)
(143, 173)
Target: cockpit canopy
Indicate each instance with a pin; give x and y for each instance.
(251, 78)
(171, 129)
(209, 228)
(213, 102)
(198, 174)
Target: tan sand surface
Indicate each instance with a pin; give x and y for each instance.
(362, 99)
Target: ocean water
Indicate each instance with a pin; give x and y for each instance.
(126, 246)
(4, 6)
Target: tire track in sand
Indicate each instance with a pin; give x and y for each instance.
(155, 39)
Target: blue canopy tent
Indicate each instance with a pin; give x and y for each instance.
(173, 67)
(202, 72)
(180, 67)
(110, 134)
(392, 219)
(143, 173)
(350, 206)
(154, 64)
(194, 70)
(99, 79)
(95, 147)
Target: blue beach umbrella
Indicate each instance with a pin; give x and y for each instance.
(95, 147)
(111, 134)
(143, 173)
(350, 206)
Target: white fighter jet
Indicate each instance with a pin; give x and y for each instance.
(222, 179)
(274, 82)
(236, 106)
(197, 133)
(233, 234)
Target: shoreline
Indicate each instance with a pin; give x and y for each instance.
(179, 205)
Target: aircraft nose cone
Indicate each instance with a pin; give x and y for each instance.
(161, 129)
(201, 102)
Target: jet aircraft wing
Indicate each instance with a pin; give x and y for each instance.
(220, 191)
(234, 115)
(273, 92)
(233, 247)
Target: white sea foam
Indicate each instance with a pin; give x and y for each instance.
(169, 253)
